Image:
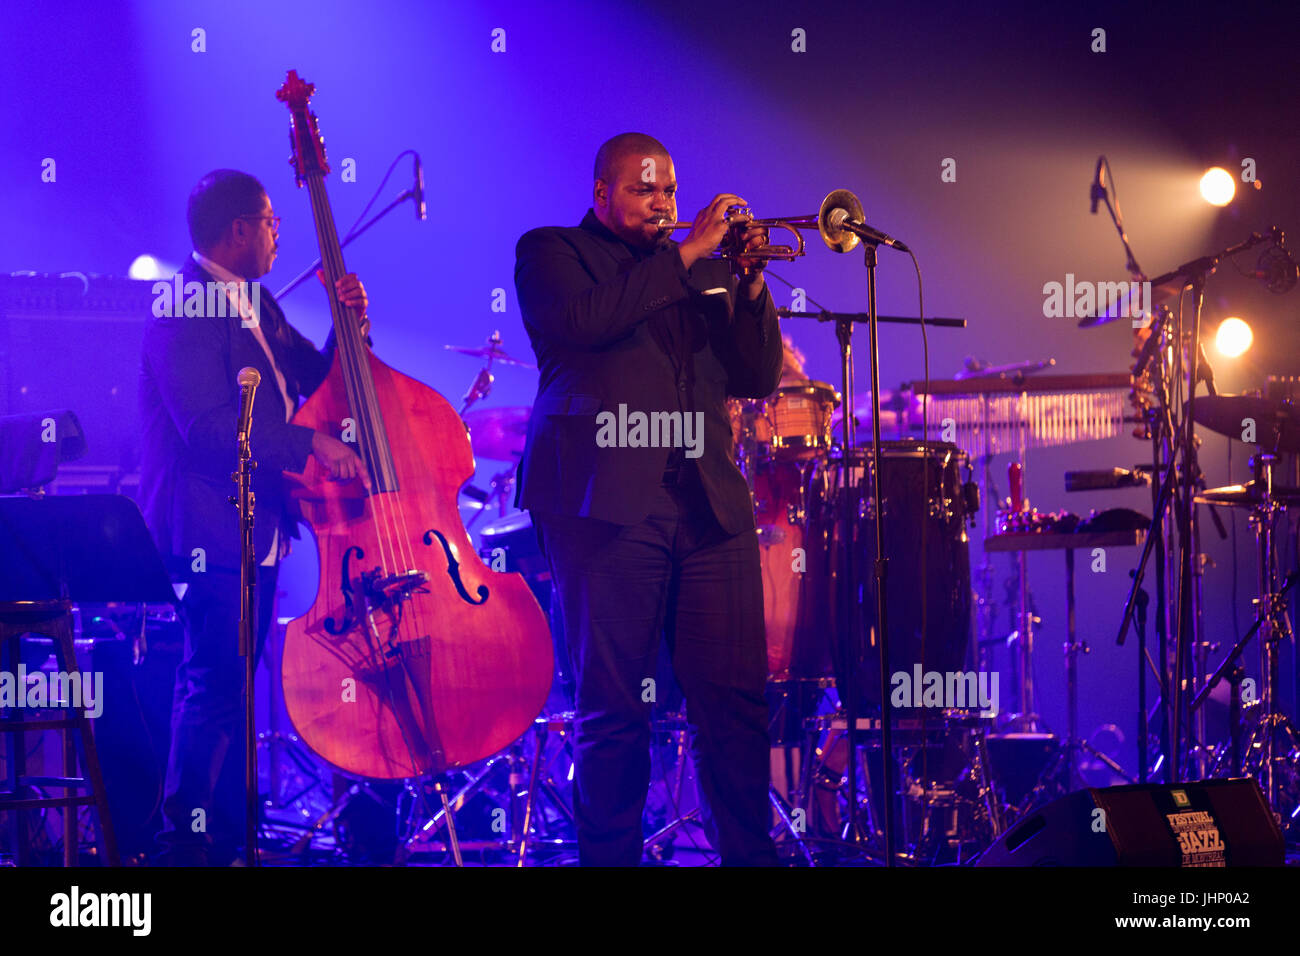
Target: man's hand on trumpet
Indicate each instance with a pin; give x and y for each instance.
(711, 227)
(751, 270)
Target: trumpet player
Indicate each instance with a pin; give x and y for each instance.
(647, 538)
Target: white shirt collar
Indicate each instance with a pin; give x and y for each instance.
(215, 269)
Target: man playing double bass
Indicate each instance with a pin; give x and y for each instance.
(189, 401)
(644, 539)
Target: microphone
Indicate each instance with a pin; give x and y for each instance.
(1204, 371)
(417, 191)
(1275, 266)
(1149, 348)
(1098, 184)
(838, 218)
(249, 379)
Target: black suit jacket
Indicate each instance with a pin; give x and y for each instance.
(591, 303)
(189, 405)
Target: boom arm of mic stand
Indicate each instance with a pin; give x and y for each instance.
(864, 318)
(1206, 264)
(355, 233)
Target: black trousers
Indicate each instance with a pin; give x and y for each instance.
(208, 716)
(620, 586)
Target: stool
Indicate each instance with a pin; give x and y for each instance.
(52, 619)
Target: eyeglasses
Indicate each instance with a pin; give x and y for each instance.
(273, 220)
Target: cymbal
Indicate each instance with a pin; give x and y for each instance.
(493, 352)
(498, 433)
(1249, 495)
(1275, 422)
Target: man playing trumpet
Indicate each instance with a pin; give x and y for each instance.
(642, 538)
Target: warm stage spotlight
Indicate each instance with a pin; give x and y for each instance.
(1233, 337)
(1218, 187)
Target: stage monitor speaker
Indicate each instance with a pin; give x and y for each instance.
(1207, 823)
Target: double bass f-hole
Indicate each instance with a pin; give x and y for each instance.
(453, 568)
(331, 626)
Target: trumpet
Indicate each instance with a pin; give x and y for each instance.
(825, 221)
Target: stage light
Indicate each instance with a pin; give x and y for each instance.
(1233, 337)
(145, 267)
(1218, 187)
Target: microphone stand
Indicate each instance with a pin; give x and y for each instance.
(882, 564)
(851, 651)
(822, 315)
(243, 478)
(355, 233)
(1181, 435)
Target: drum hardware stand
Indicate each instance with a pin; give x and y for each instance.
(784, 810)
(481, 387)
(522, 807)
(340, 804)
(980, 774)
(542, 726)
(1142, 601)
(986, 606)
(1274, 626)
(1074, 744)
(1260, 758)
(835, 727)
(502, 484)
(783, 805)
(1153, 543)
(675, 725)
(451, 803)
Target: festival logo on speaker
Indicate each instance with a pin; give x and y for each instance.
(1198, 836)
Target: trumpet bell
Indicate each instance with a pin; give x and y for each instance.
(836, 237)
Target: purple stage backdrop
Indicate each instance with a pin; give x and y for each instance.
(970, 133)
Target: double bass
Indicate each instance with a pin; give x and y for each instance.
(414, 657)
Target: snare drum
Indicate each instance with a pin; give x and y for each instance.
(800, 420)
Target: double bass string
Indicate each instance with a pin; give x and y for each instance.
(392, 527)
(376, 427)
